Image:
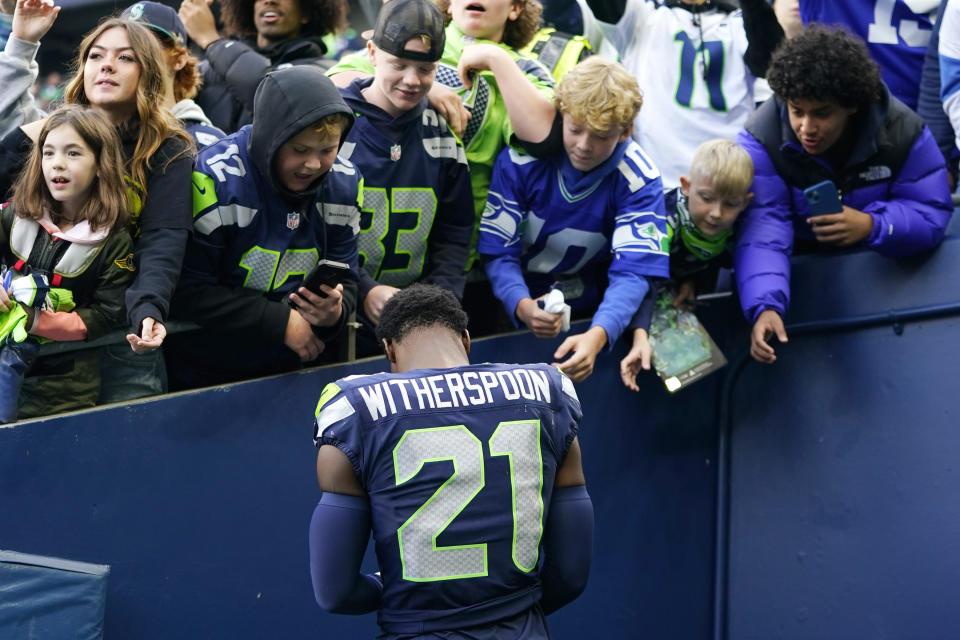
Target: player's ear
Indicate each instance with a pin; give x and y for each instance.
(465, 340)
(389, 349)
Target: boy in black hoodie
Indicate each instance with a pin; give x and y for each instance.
(269, 201)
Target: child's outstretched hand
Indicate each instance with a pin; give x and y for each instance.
(585, 347)
(768, 324)
(33, 18)
(685, 295)
(636, 360)
(152, 334)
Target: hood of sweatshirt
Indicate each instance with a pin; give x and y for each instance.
(287, 101)
(189, 110)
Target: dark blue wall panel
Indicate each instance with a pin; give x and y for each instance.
(844, 518)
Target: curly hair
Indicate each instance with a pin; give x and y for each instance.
(186, 79)
(517, 33)
(420, 306)
(106, 203)
(825, 64)
(156, 124)
(323, 17)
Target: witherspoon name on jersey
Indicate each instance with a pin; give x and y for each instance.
(452, 390)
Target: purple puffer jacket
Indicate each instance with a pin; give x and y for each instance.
(910, 203)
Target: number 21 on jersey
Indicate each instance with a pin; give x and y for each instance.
(519, 441)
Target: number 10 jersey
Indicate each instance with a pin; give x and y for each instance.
(459, 465)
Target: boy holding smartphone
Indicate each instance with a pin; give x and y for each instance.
(269, 201)
(831, 118)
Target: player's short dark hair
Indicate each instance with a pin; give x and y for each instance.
(827, 65)
(418, 306)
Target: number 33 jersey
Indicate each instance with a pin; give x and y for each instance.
(459, 465)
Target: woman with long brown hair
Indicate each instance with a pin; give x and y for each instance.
(120, 69)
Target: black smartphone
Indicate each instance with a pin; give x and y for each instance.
(823, 198)
(328, 272)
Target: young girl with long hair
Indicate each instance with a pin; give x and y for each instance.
(67, 259)
(121, 70)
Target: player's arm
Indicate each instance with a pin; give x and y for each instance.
(339, 531)
(568, 536)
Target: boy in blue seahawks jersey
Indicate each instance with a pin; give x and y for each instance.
(269, 201)
(560, 221)
(469, 477)
(417, 213)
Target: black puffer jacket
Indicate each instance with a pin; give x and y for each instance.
(232, 70)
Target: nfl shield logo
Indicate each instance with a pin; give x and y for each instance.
(395, 152)
(293, 220)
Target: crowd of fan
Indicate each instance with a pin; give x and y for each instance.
(472, 145)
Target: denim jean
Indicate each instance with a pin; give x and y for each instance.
(125, 375)
(15, 359)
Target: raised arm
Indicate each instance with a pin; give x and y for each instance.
(32, 19)
(531, 111)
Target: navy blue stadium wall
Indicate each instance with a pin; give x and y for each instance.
(815, 498)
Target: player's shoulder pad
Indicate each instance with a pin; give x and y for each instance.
(566, 385)
(333, 406)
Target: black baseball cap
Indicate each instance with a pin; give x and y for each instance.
(400, 20)
(158, 17)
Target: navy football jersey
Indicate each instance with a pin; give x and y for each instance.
(459, 465)
(896, 33)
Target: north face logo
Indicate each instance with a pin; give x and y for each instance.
(872, 174)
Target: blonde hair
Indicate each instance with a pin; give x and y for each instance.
(156, 122)
(106, 204)
(332, 126)
(726, 165)
(516, 33)
(600, 94)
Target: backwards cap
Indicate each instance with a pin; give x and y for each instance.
(400, 20)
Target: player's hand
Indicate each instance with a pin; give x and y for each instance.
(198, 21)
(152, 336)
(376, 298)
(449, 105)
(638, 359)
(32, 19)
(768, 324)
(300, 339)
(843, 229)
(543, 323)
(685, 296)
(317, 310)
(585, 347)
